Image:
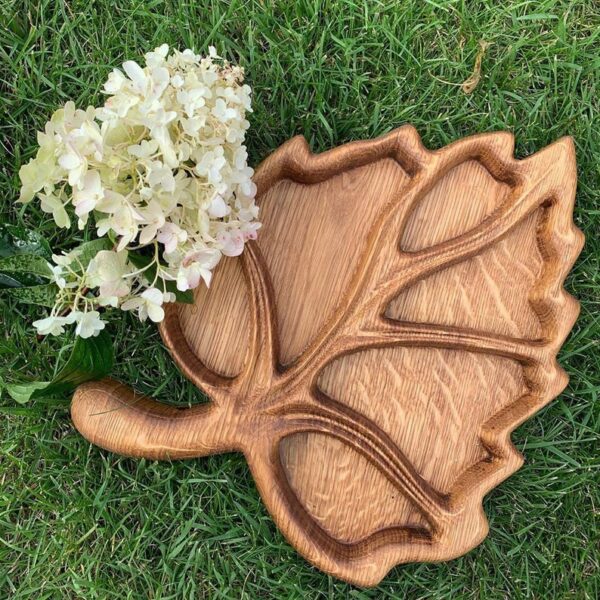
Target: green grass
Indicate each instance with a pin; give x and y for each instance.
(78, 522)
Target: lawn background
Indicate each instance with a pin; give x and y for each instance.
(78, 522)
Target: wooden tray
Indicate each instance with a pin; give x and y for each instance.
(399, 316)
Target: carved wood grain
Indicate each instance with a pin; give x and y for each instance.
(370, 355)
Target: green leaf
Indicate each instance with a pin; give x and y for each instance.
(26, 263)
(15, 240)
(22, 270)
(88, 250)
(43, 295)
(186, 297)
(24, 258)
(23, 392)
(141, 261)
(19, 280)
(91, 358)
(6, 281)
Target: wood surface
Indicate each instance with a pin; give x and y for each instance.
(398, 317)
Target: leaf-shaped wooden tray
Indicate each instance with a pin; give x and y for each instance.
(398, 317)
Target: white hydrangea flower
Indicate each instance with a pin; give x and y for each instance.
(65, 260)
(170, 236)
(53, 325)
(195, 267)
(87, 195)
(58, 276)
(107, 271)
(51, 203)
(232, 242)
(161, 169)
(89, 324)
(149, 304)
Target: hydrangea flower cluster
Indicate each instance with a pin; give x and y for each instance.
(162, 169)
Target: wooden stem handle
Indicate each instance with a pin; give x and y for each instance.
(113, 416)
